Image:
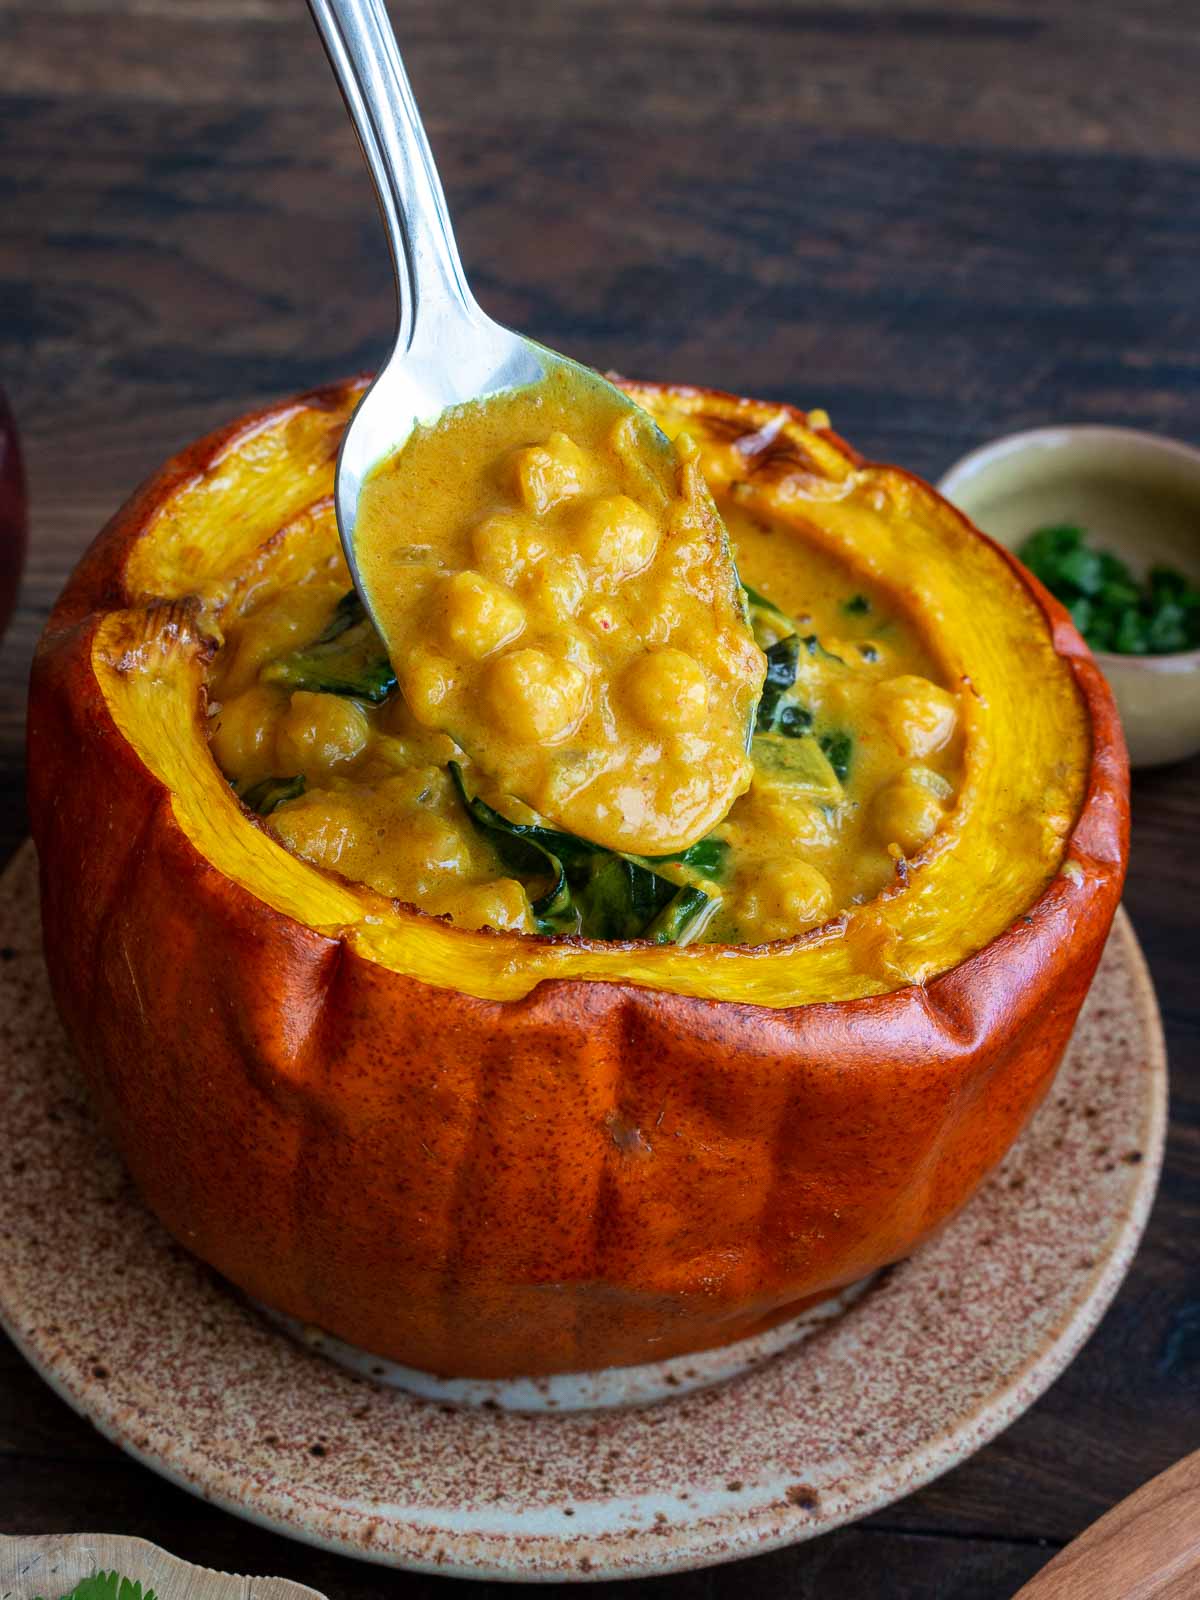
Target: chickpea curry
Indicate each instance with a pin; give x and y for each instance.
(563, 604)
(806, 794)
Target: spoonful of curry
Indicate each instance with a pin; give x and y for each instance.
(547, 571)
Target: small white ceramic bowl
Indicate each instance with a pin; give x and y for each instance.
(1133, 493)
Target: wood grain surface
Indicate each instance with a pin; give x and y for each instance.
(38, 1565)
(1146, 1548)
(939, 220)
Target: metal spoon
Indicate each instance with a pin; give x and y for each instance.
(447, 350)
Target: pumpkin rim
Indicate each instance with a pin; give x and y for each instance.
(99, 586)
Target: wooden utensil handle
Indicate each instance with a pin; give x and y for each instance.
(1145, 1548)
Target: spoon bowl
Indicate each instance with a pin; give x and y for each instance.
(633, 749)
(448, 352)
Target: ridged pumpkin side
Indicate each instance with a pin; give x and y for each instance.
(597, 1173)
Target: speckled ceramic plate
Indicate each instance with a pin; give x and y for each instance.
(938, 1356)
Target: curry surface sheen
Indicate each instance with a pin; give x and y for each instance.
(854, 769)
(243, 555)
(556, 593)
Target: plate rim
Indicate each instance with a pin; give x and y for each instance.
(726, 1535)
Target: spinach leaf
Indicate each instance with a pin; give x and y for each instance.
(800, 764)
(815, 648)
(783, 659)
(593, 891)
(530, 852)
(781, 711)
(618, 899)
(347, 657)
(708, 857)
(348, 613)
(271, 792)
(839, 747)
(793, 721)
(683, 918)
(777, 705)
(780, 708)
(767, 621)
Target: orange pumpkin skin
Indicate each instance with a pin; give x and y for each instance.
(599, 1173)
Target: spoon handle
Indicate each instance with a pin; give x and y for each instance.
(362, 50)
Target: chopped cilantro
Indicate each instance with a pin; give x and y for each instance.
(109, 1586)
(1107, 604)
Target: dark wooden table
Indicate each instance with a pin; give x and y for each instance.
(940, 220)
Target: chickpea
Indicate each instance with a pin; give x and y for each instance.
(507, 544)
(242, 739)
(544, 475)
(907, 812)
(558, 586)
(273, 628)
(413, 787)
(666, 690)
(478, 616)
(778, 811)
(604, 620)
(502, 904)
(534, 698)
(435, 847)
(320, 731)
(426, 681)
(919, 716)
(870, 873)
(615, 537)
(322, 828)
(786, 897)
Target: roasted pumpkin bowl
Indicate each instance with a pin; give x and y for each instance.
(489, 1153)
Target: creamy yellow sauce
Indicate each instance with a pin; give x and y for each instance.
(559, 599)
(803, 850)
(837, 805)
(256, 520)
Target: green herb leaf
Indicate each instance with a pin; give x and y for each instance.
(618, 899)
(271, 792)
(683, 919)
(1131, 636)
(839, 747)
(348, 658)
(1045, 550)
(709, 857)
(776, 702)
(815, 648)
(1082, 570)
(767, 621)
(109, 1586)
(596, 892)
(1167, 630)
(1115, 570)
(530, 852)
(800, 764)
(1108, 605)
(1081, 613)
